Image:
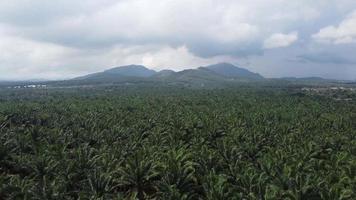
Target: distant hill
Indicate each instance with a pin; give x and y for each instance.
(213, 76)
(232, 71)
(132, 70)
(196, 74)
(135, 71)
(196, 78)
(208, 76)
(163, 73)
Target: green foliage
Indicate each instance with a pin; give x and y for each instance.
(172, 143)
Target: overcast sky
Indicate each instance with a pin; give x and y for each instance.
(276, 38)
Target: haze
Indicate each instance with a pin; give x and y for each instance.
(276, 38)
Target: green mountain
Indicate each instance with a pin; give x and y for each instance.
(195, 78)
(212, 75)
(163, 73)
(117, 73)
(232, 71)
(195, 75)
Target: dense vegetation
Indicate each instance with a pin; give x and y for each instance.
(172, 143)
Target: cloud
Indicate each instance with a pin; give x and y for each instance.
(76, 37)
(51, 61)
(21, 57)
(140, 22)
(326, 58)
(344, 33)
(230, 27)
(278, 40)
(27, 13)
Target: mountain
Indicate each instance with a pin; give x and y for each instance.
(132, 70)
(123, 72)
(196, 75)
(203, 76)
(163, 73)
(232, 71)
(195, 78)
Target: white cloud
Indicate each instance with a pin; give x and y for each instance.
(344, 33)
(278, 40)
(68, 38)
(155, 21)
(21, 58)
(219, 22)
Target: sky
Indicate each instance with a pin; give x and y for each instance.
(62, 39)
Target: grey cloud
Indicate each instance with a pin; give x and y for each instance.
(326, 58)
(41, 12)
(200, 31)
(229, 27)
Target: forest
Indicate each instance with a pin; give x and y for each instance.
(176, 143)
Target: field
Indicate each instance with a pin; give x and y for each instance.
(175, 143)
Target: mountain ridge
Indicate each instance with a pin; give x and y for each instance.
(117, 72)
(232, 71)
(216, 72)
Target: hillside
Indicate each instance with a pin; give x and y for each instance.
(232, 71)
(163, 73)
(118, 73)
(213, 74)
